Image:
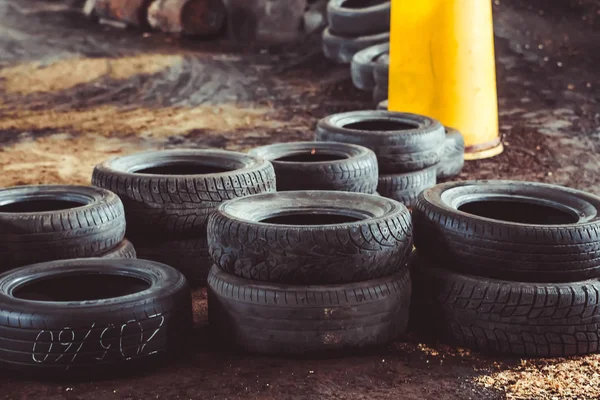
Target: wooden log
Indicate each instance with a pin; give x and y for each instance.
(188, 17)
(131, 12)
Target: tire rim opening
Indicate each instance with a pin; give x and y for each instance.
(519, 211)
(311, 156)
(30, 206)
(385, 125)
(188, 168)
(85, 287)
(362, 3)
(308, 218)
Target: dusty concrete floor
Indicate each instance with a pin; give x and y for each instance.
(73, 93)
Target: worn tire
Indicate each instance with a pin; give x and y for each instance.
(342, 49)
(381, 70)
(375, 245)
(180, 203)
(363, 64)
(453, 158)
(511, 242)
(344, 167)
(124, 249)
(358, 21)
(380, 93)
(188, 255)
(292, 319)
(402, 142)
(524, 319)
(73, 328)
(407, 187)
(44, 223)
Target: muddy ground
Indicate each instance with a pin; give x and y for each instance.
(73, 93)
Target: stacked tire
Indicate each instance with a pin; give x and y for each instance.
(321, 166)
(309, 271)
(509, 267)
(57, 222)
(370, 70)
(408, 148)
(353, 26)
(168, 196)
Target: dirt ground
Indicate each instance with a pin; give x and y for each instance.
(73, 93)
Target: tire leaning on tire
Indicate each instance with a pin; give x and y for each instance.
(180, 203)
(519, 318)
(68, 328)
(244, 240)
(342, 49)
(124, 249)
(289, 319)
(402, 142)
(345, 167)
(528, 231)
(453, 159)
(53, 222)
(358, 21)
(363, 64)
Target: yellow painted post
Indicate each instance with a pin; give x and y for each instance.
(442, 65)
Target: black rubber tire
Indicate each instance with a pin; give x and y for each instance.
(62, 336)
(181, 203)
(376, 245)
(524, 319)
(358, 21)
(383, 105)
(363, 64)
(188, 255)
(401, 150)
(381, 70)
(124, 249)
(89, 222)
(354, 171)
(342, 49)
(453, 158)
(563, 251)
(407, 187)
(286, 319)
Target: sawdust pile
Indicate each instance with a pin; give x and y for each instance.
(60, 75)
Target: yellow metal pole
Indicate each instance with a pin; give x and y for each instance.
(442, 65)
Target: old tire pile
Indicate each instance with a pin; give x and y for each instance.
(408, 147)
(321, 166)
(369, 70)
(353, 26)
(509, 267)
(91, 317)
(310, 271)
(55, 222)
(168, 196)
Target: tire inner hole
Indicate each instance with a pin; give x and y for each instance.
(311, 156)
(81, 288)
(520, 212)
(310, 219)
(182, 169)
(361, 3)
(381, 125)
(27, 206)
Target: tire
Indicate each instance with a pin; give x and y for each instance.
(383, 105)
(358, 21)
(291, 250)
(402, 142)
(380, 93)
(95, 326)
(285, 319)
(524, 319)
(343, 167)
(406, 188)
(43, 223)
(531, 231)
(125, 249)
(453, 158)
(363, 64)
(342, 49)
(180, 203)
(188, 255)
(381, 70)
